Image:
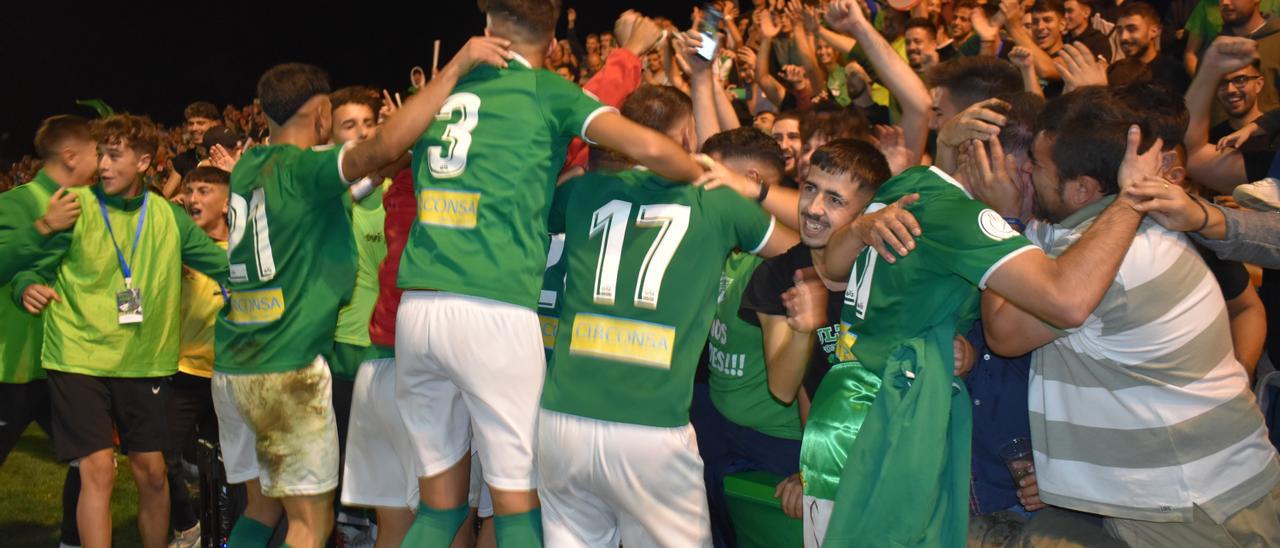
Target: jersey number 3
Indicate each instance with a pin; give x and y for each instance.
(671, 220)
(446, 164)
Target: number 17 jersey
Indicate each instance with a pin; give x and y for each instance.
(484, 174)
(644, 260)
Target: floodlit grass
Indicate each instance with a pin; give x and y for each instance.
(31, 497)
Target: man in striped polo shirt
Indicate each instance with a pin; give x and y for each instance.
(1142, 414)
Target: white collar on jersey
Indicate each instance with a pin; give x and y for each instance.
(948, 179)
(520, 58)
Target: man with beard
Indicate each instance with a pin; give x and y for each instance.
(1244, 18)
(786, 131)
(921, 42)
(1238, 93)
(1075, 16)
(1139, 28)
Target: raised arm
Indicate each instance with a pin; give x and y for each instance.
(401, 131)
(1219, 170)
(701, 86)
(1012, 10)
(897, 75)
(646, 146)
(773, 89)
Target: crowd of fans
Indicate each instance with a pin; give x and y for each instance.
(1002, 295)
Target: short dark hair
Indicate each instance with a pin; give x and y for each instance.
(974, 79)
(360, 95)
(202, 109)
(921, 23)
(1091, 126)
(207, 174)
(657, 107)
(138, 133)
(1162, 108)
(861, 160)
(1129, 9)
(835, 123)
(55, 131)
(749, 143)
(529, 20)
(1020, 120)
(284, 88)
(1042, 6)
(966, 4)
(1085, 3)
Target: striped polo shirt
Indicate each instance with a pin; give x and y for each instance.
(1143, 412)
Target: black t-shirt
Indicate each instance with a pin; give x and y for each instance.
(1257, 152)
(763, 294)
(1094, 40)
(1170, 70)
(1232, 276)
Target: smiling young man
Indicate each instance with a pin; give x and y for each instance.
(841, 182)
(111, 326)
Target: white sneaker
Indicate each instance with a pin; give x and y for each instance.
(186, 539)
(1263, 195)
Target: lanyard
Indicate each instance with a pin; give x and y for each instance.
(142, 215)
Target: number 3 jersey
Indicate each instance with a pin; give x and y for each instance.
(644, 257)
(293, 259)
(484, 174)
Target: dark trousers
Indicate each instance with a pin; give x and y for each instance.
(191, 417)
(728, 448)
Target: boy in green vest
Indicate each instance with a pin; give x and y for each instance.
(111, 326)
(29, 216)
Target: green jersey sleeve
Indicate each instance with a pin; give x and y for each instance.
(974, 238)
(750, 226)
(20, 242)
(567, 109)
(318, 174)
(199, 251)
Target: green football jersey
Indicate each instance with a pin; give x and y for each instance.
(738, 380)
(367, 218)
(292, 259)
(962, 242)
(22, 335)
(550, 299)
(484, 174)
(644, 259)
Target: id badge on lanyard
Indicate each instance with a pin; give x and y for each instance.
(128, 300)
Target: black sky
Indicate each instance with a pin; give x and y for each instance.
(155, 60)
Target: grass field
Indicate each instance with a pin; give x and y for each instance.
(31, 497)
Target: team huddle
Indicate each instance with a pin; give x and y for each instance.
(512, 283)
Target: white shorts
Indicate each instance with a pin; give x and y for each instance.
(467, 364)
(817, 514)
(380, 469)
(606, 482)
(265, 419)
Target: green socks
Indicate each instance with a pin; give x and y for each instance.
(519, 530)
(432, 528)
(249, 533)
